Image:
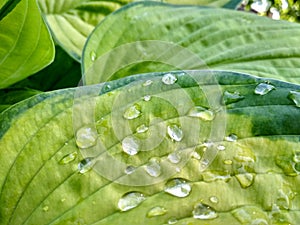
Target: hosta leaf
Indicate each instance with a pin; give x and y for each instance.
(219, 38)
(25, 43)
(235, 160)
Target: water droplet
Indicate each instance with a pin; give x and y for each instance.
(296, 167)
(250, 215)
(147, 98)
(169, 79)
(132, 112)
(231, 138)
(156, 211)
(196, 155)
(221, 147)
(296, 157)
(204, 212)
(129, 169)
(245, 179)
(204, 164)
(174, 157)
(131, 145)
(172, 220)
(227, 162)
(295, 97)
(175, 132)
(68, 158)
(229, 97)
(93, 55)
(202, 113)
(130, 200)
(46, 208)
(86, 137)
(178, 187)
(147, 83)
(211, 177)
(263, 89)
(153, 168)
(214, 199)
(85, 165)
(142, 128)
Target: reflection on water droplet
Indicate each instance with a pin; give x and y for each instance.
(142, 128)
(221, 147)
(245, 179)
(175, 132)
(132, 112)
(204, 212)
(295, 97)
(156, 211)
(131, 145)
(178, 187)
(214, 199)
(231, 138)
(174, 157)
(85, 165)
(93, 55)
(172, 220)
(147, 98)
(86, 137)
(68, 158)
(153, 168)
(202, 113)
(229, 97)
(147, 83)
(129, 169)
(130, 200)
(169, 79)
(263, 89)
(45, 208)
(203, 164)
(296, 167)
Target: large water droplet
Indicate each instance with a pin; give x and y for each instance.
(204, 212)
(156, 211)
(175, 132)
(132, 112)
(130, 200)
(245, 179)
(231, 138)
(295, 97)
(263, 89)
(178, 187)
(131, 145)
(68, 158)
(86, 137)
(169, 79)
(229, 97)
(153, 168)
(202, 113)
(147, 83)
(93, 55)
(129, 169)
(85, 165)
(174, 157)
(142, 128)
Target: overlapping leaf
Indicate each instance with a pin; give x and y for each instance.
(255, 172)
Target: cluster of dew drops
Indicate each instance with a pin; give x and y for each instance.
(86, 137)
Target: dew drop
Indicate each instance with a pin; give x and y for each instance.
(196, 155)
(153, 168)
(172, 220)
(132, 112)
(147, 83)
(156, 211)
(142, 128)
(295, 97)
(86, 137)
(93, 55)
(204, 212)
(169, 79)
(231, 138)
(130, 200)
(175, 132)
(245, 179)
(214, 199)
(174, 157)
(147, 98)
(221, 147)
(129, 169)
(229, 97)
(178, 187)
(204, 164)
(85, 165)
(68, 158)
(131, 145)
(202, 113)
(263, 89)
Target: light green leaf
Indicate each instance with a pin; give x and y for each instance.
(219, 38)
(238, 157)
(25, 44)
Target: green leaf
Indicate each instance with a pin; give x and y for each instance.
(25, 44)
(212, 3)
(214, 38)
(238, 160)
